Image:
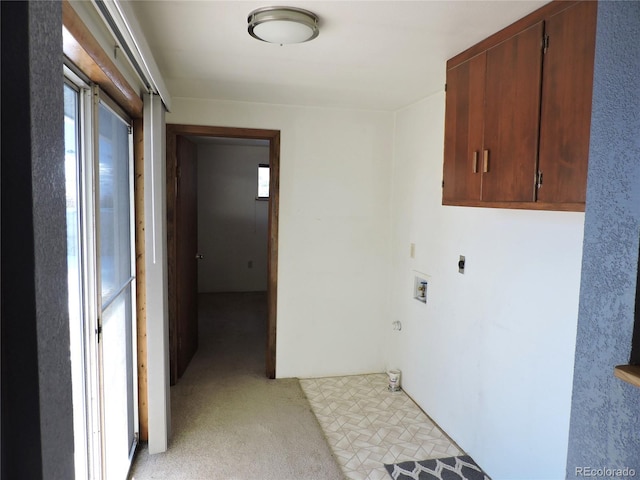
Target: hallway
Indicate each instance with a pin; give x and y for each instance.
(228, 420)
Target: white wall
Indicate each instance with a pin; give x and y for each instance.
(232, 224)
(333, 265)
(490, 357)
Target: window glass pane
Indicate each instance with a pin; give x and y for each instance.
(71, 176)
(114, 223)
(263, 181)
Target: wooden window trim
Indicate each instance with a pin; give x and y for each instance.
(82, 48)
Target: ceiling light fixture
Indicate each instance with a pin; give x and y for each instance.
(283, 25)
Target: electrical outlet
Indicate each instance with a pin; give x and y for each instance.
(250, 264)
(412, 250)
(461, 264)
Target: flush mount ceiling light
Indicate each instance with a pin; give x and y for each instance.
(283, 25)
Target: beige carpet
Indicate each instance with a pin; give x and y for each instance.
(228, 420)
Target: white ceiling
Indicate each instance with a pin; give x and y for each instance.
(381, 55)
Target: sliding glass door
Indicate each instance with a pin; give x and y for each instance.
(101, 279)
(76, 264)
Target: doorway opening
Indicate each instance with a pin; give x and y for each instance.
(182, 269)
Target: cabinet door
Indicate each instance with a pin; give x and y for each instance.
(566, 104)
(511, 118)
(463, 131)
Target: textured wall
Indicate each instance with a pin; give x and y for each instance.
(605, 417)
(37, 426)
(50, 239)
(20, 436)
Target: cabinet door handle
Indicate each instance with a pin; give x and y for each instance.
(475, 161)
(485, 162)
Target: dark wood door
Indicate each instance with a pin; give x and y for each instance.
(511, 117)
(463, 130)
(186, 284)
(566, 104)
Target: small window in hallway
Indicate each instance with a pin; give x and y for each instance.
(263, 181)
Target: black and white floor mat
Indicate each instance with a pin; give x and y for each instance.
(451, 468)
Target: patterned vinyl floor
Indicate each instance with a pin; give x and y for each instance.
(368, 426)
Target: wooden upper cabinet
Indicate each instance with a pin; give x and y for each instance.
(566, 104)
(511, 117)
(463, 135)
(519, 104)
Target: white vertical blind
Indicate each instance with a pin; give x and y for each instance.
(159, 405)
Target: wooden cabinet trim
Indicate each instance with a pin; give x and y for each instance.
(560, 207)
(565, 109)
(511, 117)
(509, 187)
(464, 112)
